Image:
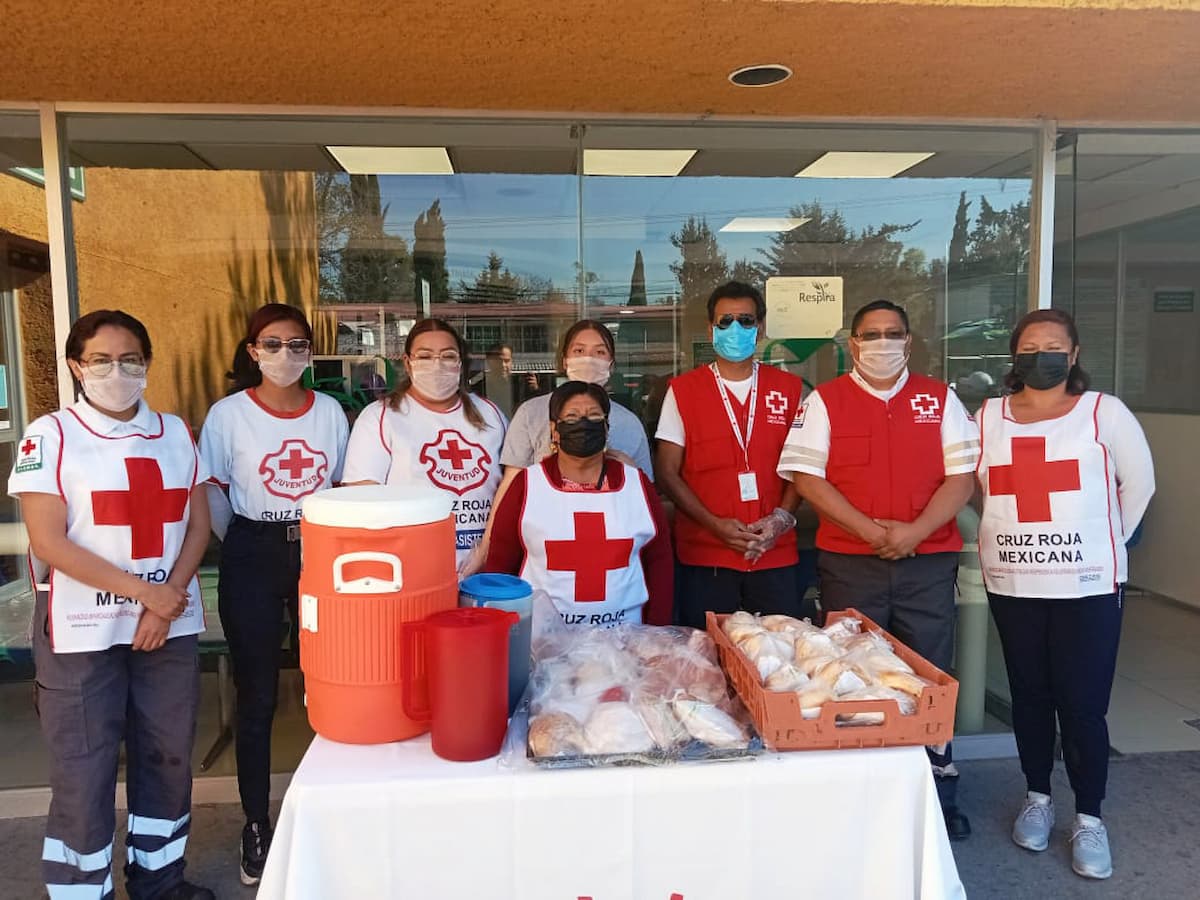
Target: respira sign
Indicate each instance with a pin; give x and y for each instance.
(804, 307)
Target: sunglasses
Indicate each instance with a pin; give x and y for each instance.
(274, 345)
(744, 319)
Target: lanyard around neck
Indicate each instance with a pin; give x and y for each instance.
(743, 441)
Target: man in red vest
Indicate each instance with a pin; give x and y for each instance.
(887, 458)
(719, 438)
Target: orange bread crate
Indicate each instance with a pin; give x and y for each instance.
(777, 714)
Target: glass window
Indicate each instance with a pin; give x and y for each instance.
(937, 221)
(1133, 238)
(28, 389)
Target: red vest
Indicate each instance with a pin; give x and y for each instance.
(713, 458)
(886, 458)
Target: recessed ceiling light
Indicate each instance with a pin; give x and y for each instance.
(761, 75)
(764, 224)
(635, 162)
(625, 312)
(393, 160)
(847, 164)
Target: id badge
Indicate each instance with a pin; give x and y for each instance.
(748, 486)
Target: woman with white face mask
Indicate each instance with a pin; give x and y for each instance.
(112, 494)
(586, 355)
(267, 446)
(430, 432)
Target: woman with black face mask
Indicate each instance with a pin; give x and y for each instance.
(584, 527)
(1066, 477)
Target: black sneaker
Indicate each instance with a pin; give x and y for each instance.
(256, 841)
(958, 826)
(185, 890)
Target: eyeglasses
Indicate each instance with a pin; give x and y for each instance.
(102, 366)
(449, 357)
(575, 420)
(274, 345)
(892, 334)
(744, 319)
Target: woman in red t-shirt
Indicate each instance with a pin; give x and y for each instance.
(588, 530)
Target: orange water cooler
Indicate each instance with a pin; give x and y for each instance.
(372, 558)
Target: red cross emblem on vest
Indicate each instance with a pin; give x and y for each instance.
(924, 404)
(146, 508)
(591, 556)
(776, 402)
(455, 463)
(1031, 478)
(293, 471)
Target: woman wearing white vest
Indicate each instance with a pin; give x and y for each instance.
(1066, 475)
(267, 446)
(429, 431)
(112, 496)
(587, 529)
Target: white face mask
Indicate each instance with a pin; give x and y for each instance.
(883, 359)
(434, 379)
(284, 368)
(592, 369)
(116, 392)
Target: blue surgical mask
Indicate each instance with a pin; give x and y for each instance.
(735, 343)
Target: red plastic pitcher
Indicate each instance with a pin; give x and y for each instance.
(466, 658)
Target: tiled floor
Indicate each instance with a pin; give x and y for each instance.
(1158, 678)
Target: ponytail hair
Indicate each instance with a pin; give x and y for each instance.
(468, 402)
(1078, 381)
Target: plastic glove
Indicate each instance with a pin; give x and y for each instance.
(768, 530)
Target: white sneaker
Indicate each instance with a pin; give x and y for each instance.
(1090, 856)
(1031, 829)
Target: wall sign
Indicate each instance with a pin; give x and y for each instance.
(804, 307)
(1175, 300)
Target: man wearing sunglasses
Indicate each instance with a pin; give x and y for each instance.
(720, 434)
(887, 458)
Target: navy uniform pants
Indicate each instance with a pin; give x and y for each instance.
(87, 704)
(911, 598)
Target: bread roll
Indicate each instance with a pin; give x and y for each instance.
(786, 678)
(555, 734)
(903, 681)
(616, 728)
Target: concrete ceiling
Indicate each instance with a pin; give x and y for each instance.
(1074, 60)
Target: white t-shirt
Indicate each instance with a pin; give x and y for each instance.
(670, 422)
(269, 460)
(415, 445)
(807, 446)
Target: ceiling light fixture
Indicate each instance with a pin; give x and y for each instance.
(763, 75)
(760, 225)
(393, 160)
(854, 164)
(649, 163)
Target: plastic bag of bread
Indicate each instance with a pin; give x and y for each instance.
(742, 625)
(617, 695)
(843, 629)
(907, 682)
(840, 677)
(788, 678)
(907, 705)
(788, 624)
(814, 643)
(812, 697)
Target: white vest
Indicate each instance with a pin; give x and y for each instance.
(128, 500)
(1051, 524)
(584, 548)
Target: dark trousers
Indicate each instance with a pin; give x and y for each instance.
(87, 704)
(912, 598)
(699, 589)
(1061, 656)
(259, 573)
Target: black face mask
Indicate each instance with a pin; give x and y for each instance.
(583, 438)
(1042, 370)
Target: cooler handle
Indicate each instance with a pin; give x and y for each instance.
(368, 584)
(412, 639)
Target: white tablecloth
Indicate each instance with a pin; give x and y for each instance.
(394, 821)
